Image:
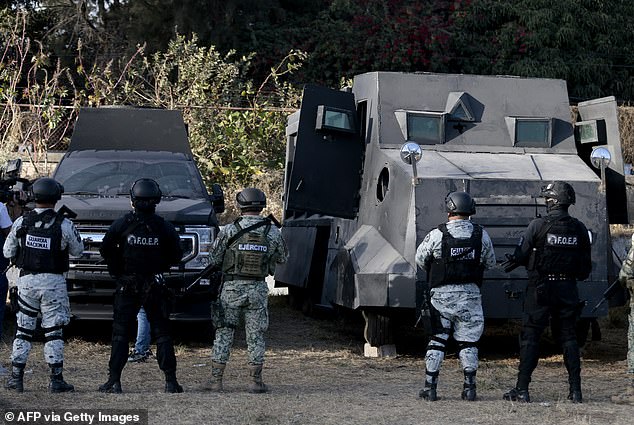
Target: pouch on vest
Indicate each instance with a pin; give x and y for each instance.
(248, 255)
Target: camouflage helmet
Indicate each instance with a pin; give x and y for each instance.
(146, 190)
(47, 190)
(460, 203)
(562, 192)
(251, 199)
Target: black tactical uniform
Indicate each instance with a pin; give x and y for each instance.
(556, 252)
(138, 248)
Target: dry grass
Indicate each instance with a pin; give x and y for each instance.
(318, 375)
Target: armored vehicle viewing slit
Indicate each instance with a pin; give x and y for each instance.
(354, 212)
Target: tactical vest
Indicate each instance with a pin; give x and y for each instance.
(247, 257)
(460, 259)
(142, 252)
(40, 248)
(558, 247)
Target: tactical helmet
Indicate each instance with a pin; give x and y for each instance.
(251, 199)
(146, 190)
(47, 190)
(460, 203)
(562, 192)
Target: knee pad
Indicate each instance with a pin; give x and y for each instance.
(438, 343)
(467, 344)
(25, 334)
(52, 333)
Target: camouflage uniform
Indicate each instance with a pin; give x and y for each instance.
(626, 275)
(44, 293)
(244, 299)
(459, 305)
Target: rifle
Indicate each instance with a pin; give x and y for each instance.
(274, 220)
(607, 294)
(510, 264)
(67, 212)
(214, 275)
(425, 317)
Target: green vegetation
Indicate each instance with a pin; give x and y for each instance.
(235, 67)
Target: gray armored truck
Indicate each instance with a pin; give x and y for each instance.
(110, 148)
(357, 203)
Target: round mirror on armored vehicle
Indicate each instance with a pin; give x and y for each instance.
(600, 156)
(411, 151)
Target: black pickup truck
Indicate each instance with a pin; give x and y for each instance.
(112, 147)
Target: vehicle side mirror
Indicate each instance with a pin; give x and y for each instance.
(217, 198)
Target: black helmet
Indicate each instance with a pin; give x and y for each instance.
(251, 199)
(460, 203)
(146, 190)
(562, 192)
(47, 190)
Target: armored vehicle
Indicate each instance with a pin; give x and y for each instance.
(110, 149)
(354, 211)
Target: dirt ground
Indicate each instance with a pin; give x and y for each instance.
(318, 375)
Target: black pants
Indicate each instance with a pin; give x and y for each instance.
(132, 293)
(558, 301)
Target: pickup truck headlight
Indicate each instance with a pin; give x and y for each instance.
(196, 243)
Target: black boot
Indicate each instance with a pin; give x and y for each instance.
(572, 361)
(428, 392)
(574, 394)
(469, 386)
(57, 383)
(517, 394)
(112, 385)
(171, 384)
(16, 380)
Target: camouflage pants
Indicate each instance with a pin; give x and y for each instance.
(242, 301)
(460, 310)
(46, 294)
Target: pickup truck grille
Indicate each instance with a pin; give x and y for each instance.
(92, 236)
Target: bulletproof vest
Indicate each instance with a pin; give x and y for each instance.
(142, 252)
(248, 255)
(40, 248)
(460, 260)
(558, 247)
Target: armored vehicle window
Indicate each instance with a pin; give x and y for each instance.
(106, 173)
(590, 131)
(531, 132)
(334, 119)
(426, 129)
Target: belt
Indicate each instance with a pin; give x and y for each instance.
(226, 277)
(558, 277)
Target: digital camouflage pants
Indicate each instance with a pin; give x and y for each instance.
(241, 301)
(43, 293)
(460, 312)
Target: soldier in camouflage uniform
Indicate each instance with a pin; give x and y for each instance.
(626, 276)
(455, 256)
(247, 251)
(39, 244)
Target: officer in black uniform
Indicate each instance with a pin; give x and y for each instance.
(137, 248)
(556, 253)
